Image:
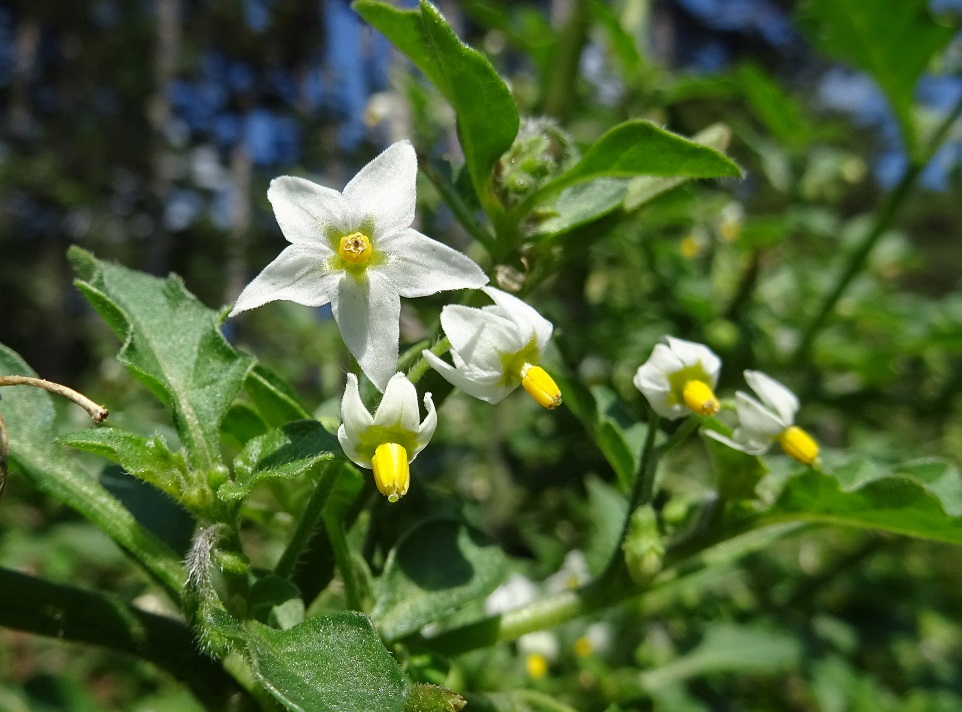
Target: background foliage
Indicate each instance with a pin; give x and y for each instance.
(146, 133)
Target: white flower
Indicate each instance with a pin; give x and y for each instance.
(517, 591)
(390, 439)
(356, 250)
(495, 349)
(680, 378)
(773, 419)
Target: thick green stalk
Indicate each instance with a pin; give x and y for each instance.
(68, 613)
(461, 211)
(309, 518)
(421, 366)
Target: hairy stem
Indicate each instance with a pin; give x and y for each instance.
(309, 519)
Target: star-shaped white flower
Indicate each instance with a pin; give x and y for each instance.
(495, 349)
(679, 379)
(357, 250)
(767, 420)
(390, 439)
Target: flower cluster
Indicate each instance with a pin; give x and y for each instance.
(356, 250)
(679, 379)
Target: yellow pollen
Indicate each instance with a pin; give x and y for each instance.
(537, 666)
(391, 472)
(799, 445)
(730, 230)
(699, 396)
(355, 248)
(689, 247)
(540, 386)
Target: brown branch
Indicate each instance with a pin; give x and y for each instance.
(97, 412)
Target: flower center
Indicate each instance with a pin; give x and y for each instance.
(699, 396)
(355, 249)
(540, 386)
(391, 472)
(799, 445)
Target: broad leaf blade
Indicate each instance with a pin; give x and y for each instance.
(891, 41)
(171, 343)
(435, 568)
(487, 116)
(29, 416)
(145, 458)
(582, 204)
(286, 453)
(327, 664)
(639, 148)
(275, 400)
(919, 499)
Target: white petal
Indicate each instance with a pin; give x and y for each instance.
(296, 275)
(368, 313)
(530, 322)
(480, 337)
(307, 211)
(662, 361)
(773, 394)
(428, 425)
(691, 353)
(420, 266)
(749, 448)
(385, 189)
(756, 418)
(399, 406)
(355, 417)
(489, 390)
(349, 448)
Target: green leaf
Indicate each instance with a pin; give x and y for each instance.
(432, 698)
(892, 41)
(608, 508)
(437, 567)
(582, 204)
(285, 453)
(921, 499)
(644, 189)
(727, 647)
(639, 148)
(773, 106)
(148, 459)
(487, 116)
(171, 343)
(29, 416)
(738, 473)
(273, 397)
(327, 664)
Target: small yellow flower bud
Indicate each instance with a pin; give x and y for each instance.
(699, 396)
(355, 249)
(799, 445)
(537, 666)
(540, 386)
(391, 472)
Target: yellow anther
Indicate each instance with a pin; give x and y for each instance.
(799, 445)
(730, 229)
(537, 666)
(699, 396)
(391, 472)
(540, 386)
(355, 248)
(689, 247)
(582, 647)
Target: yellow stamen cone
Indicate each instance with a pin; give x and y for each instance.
(537, 666)
(540, 386)
(355, 249)
(699, 396)
(799, 445)
(391, 471)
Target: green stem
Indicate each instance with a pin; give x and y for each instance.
(342, 556)
(421, 366)
(308, 521)
(560, 94)
(880, 226)
(68, 613)
(461, 211)
(689, 426)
